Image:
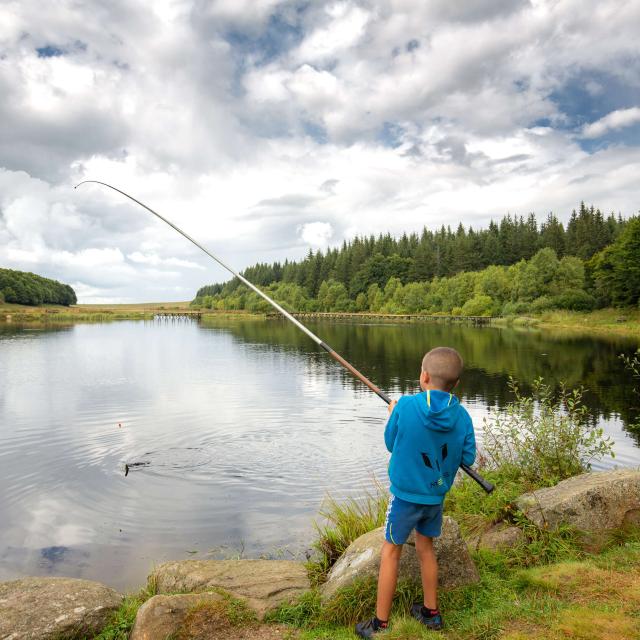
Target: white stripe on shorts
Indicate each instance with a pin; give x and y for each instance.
(386, 518)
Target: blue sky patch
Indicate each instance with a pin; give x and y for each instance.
(316, 131)
(625, 136)
(278, 36)
(591, 95)
(391, 135)
(54, 51)
(50, 51)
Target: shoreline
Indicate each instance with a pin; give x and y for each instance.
(603, 322)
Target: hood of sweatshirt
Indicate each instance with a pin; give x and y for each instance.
(438, 409)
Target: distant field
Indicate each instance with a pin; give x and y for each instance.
(81, 312)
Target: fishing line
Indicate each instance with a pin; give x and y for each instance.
(487, 486)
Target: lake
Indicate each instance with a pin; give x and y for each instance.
(235, 429)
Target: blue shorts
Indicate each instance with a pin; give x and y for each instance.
(403, 517)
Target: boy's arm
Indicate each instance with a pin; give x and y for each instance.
(391, 430)
(469, 446)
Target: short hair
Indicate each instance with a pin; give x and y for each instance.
(444, 366)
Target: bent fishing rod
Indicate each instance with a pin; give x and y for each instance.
(487, 486)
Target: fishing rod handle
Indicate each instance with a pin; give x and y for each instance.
(474, 475)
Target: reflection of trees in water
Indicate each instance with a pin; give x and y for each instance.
(390, 356)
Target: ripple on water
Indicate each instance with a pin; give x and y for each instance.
(173, 460)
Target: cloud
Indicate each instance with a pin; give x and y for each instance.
(346, 24)
(615, 120)
(155, 260)
(316, 234)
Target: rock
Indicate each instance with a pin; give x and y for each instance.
(263, 583)
(499, 536)
(590, 502)
(56, 608)
(161, 616)
(362, 559)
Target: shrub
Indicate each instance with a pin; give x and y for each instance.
(547, 437)
(515, 308)
(479, 305)
(541, 304)
(575, 300)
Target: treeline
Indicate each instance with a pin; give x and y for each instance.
(515, 266)
(21, 287)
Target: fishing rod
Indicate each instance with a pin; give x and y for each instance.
(487, 486)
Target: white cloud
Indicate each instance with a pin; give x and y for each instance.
(155, 260)
(346, 26)
(615, 120)
(317, 234)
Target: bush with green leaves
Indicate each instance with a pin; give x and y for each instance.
(479, 305)
(548, 436)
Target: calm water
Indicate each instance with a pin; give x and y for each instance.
(241, 426)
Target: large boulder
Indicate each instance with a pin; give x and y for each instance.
(362, 560)
(54, 608)
(590, 502)
(162, 616)
(264, 584)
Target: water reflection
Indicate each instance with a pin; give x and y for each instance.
(240, 427)
(390, 355)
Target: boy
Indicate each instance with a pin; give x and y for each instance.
(429, 435)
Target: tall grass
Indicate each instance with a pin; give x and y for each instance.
(340, 524)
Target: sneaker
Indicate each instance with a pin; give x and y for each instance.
(431, 622)
(368, 629)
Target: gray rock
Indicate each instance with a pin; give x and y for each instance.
(362, 559)
(54, 608)
(590, 502)
(499, 536)
(161, 616)
(263, 583)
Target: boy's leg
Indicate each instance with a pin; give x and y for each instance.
(387, 578)
(428, 570)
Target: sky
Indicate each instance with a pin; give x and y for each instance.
(266, 128)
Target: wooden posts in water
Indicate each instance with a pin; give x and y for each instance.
(476, 320)
(166, 315)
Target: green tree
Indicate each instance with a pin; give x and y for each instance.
(616, 269)
(332, 296)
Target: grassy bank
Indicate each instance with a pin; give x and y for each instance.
(622, 322)
(596, 597)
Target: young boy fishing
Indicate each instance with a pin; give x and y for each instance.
(429, 435)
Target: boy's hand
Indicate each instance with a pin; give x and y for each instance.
(392, 404)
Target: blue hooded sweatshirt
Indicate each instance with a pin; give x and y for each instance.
(429, 435)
